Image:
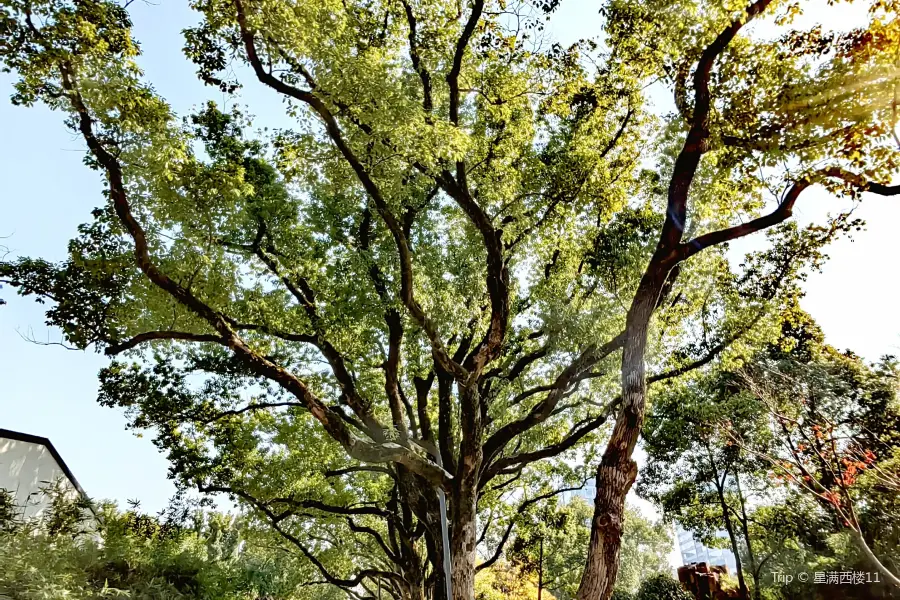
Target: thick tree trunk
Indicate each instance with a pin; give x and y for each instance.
(616, 478)
(414, 592)
(463, 539)
(462, 548)
(617, 470)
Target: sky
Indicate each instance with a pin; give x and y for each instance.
(46, 192)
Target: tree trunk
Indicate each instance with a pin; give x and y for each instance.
(617, 470)
(745, 529)
(726, 516)
(879, 566)
(463, 538)
(541, 570)
(602, 565)
(462, 548)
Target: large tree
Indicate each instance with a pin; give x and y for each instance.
(417, 289)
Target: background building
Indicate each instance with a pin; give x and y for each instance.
(588, 492)
(29, 464)
(692, 551)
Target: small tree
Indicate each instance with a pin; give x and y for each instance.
(9, 512)
(834, 422)
(209, 556)
(697, 476)
(553, 542)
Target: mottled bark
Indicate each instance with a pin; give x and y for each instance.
(463, 539)
(617, 470)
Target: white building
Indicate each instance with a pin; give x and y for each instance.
(30, 464)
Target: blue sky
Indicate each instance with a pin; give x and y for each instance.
(46, 192)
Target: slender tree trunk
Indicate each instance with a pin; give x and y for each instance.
(541, 570)
(745, 529)
(879, 566)
(742, 584)
(726, 517)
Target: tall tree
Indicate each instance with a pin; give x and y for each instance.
(834, 423)
(697, 475)
(418, 289)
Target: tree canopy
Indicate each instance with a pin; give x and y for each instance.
(792, 454)
(418, 289)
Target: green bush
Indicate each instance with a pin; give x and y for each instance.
(662, 587)
(140, 557)
(622, 595)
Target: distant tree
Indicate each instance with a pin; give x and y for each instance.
(800, 414)
(553, 543)
(698, 476)
(716, 445)
(507, 581)
(835, 425)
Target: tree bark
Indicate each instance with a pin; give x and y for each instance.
(617, 470)
(462, 548)
(464, 538)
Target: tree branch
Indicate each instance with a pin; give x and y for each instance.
(118, 348)
(372, 190)
(512, 522)
(697, 140)
(418, 67)
(543, 409)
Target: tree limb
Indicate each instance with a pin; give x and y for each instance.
(118, 348)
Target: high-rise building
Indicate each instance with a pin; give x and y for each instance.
(588, 492)
(693, 551)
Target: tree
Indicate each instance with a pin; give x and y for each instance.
(504, 580)
(715, 444)
(417, 290)
(697, 475)
(829, 417)
(554, 544)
